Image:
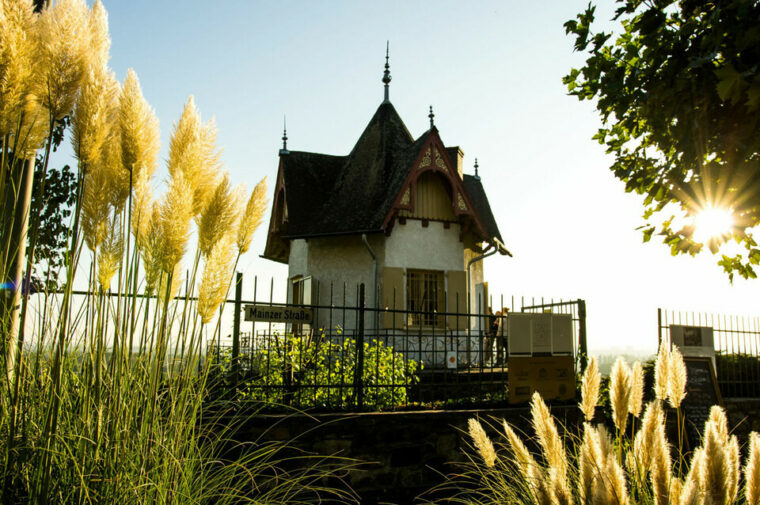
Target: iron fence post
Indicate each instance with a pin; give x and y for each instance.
(236, 329)
(358, 385)
(659, 328)
(583, 348)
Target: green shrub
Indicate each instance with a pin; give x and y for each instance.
(314, 372)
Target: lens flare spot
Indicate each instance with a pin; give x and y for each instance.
(712, 222)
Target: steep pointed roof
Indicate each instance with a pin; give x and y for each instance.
(336, 195)
(364, 183)
(482, 207)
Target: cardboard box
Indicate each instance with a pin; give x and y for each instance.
(553, 377)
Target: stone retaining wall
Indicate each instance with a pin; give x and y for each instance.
(406, 452)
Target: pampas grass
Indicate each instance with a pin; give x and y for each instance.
(752, 470)
(482, 442)
(215, 280)
(192, 152)
(109, 260)
(63, 54)
(547, 434)
(16, 57)
(252, 216)
(100, 40)
(591, 470)
(175, 214)
(621, 386)
(98, 406)
(138, 129)
(590, 389)
(676, 379)
(220, 215)
(662, 372)
(637, 390)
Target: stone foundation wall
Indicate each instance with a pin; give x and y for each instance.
(406, 452)
(743, 416)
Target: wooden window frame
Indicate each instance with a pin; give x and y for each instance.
(425, 292)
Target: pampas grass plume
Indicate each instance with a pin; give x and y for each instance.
(219, 216)
(183, 141)
(141, 208)
(151, 248)
(590, 389)
(63, 54)
(109, 259)
(660, 465)
(752, 470)
(676, 379)
(691, 492)
(216, 279)
(95, 205)
(138, 126)
(544, 492)
(644, 439)
(192, 151)
(719, 423)
(90, 122)
(605, 445)
(523, 457)
(175, 215)
(100, 40)
(610, 487)
(637, 390)
(252, 216)
(547, 434)
(662, 372)
(16, 57)
(734, 467)
(620, 393)
(482, 443)
(533, 474)
(587, 464)
(717, 467)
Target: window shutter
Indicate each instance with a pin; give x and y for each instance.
(307, 291)
(457, 299)
(308, 297)
(393, 297)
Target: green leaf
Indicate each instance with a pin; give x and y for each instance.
(730, 83)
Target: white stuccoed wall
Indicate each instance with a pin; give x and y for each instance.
(432, 248)
(297, 262)
(344, 262)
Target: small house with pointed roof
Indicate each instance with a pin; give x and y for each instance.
(396, 214)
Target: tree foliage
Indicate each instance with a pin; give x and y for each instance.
(54, 210)
(677, 86)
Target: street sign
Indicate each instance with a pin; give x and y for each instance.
(279, 314)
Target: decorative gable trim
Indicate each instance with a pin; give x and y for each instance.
(433, 157)
(277, 248)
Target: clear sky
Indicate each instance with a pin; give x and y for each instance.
(492, 71)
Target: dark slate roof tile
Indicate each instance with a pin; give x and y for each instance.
(479, 199)
(309, 178)
(363, 186)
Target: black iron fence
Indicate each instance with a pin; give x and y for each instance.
(734, 339)
(353, 356)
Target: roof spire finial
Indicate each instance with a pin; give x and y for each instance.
(431, 116)
(477, 177)
(387, 73)
(284, 149)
